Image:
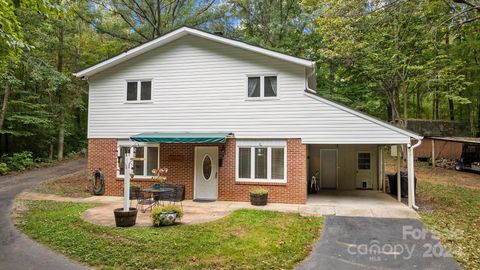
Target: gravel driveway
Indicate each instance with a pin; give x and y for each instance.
(16, 250)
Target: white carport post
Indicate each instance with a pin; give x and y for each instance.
(399, 185)
(381, 171)
(411, 175)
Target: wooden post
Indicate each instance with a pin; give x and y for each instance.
(434, 160)
(399, 184)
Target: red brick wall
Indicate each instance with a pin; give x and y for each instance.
(294, 191)
(179, 159)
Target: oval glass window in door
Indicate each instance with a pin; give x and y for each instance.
(207, 167)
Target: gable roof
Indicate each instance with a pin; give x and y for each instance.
(178, 33)
(364, 116)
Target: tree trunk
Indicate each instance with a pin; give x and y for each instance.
(478, 121)
(451, 109)
(61, 116)
(51, 152)
(405, 106)
(3, 113)
(331, 77)
(419, 105)
(389, 112)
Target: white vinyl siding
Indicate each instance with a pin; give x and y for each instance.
(200, 86)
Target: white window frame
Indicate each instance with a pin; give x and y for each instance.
(139, 91)
(145, 152)
(262, 86)
(269, 144)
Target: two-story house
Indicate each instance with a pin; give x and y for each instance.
(224, 117)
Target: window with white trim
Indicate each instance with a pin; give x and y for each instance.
(262, 86)
(139, 90)
(141, 168)
(261, 161)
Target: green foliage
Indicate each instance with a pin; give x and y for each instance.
(157, 210)
(4, 168)
(258, 192)
(19, 161)
(245, 238)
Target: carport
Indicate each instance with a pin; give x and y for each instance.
(352, 173)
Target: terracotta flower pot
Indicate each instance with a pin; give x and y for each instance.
(125, 219)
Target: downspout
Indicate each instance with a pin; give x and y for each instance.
(411, 174)
(308, 76)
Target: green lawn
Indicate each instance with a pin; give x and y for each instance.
(246, 239)
(453, 213)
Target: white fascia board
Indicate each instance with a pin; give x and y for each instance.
(178, 34)
(367, 117)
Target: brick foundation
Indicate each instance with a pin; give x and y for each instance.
(179, 159)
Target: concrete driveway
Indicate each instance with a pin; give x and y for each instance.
(16, 250)
(357, 203)
(377, 243)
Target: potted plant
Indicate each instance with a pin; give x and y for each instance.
(258, 196)
(165, 215)
(160, 175)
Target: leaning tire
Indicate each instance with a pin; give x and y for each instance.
(458, 167)
(98, 183)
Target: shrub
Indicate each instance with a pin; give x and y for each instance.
(20, 161)
(73, 155)
(4, 168)
(258, 192)
(157, 210)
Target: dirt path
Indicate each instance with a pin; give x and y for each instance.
(16, 250)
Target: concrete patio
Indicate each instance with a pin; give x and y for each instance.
(359, 203)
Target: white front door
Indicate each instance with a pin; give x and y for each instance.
(206, 172)
(328, 168)
(364, 170)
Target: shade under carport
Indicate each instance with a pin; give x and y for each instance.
(180, 137)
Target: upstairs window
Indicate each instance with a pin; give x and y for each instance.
(262, 86)
(139, 90)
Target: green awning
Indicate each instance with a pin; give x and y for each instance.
(180, 137)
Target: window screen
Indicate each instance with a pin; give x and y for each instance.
(364, 161)
(270, 86)
(132, 91)
(244, 163)
(146, 91)
(253, 86)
